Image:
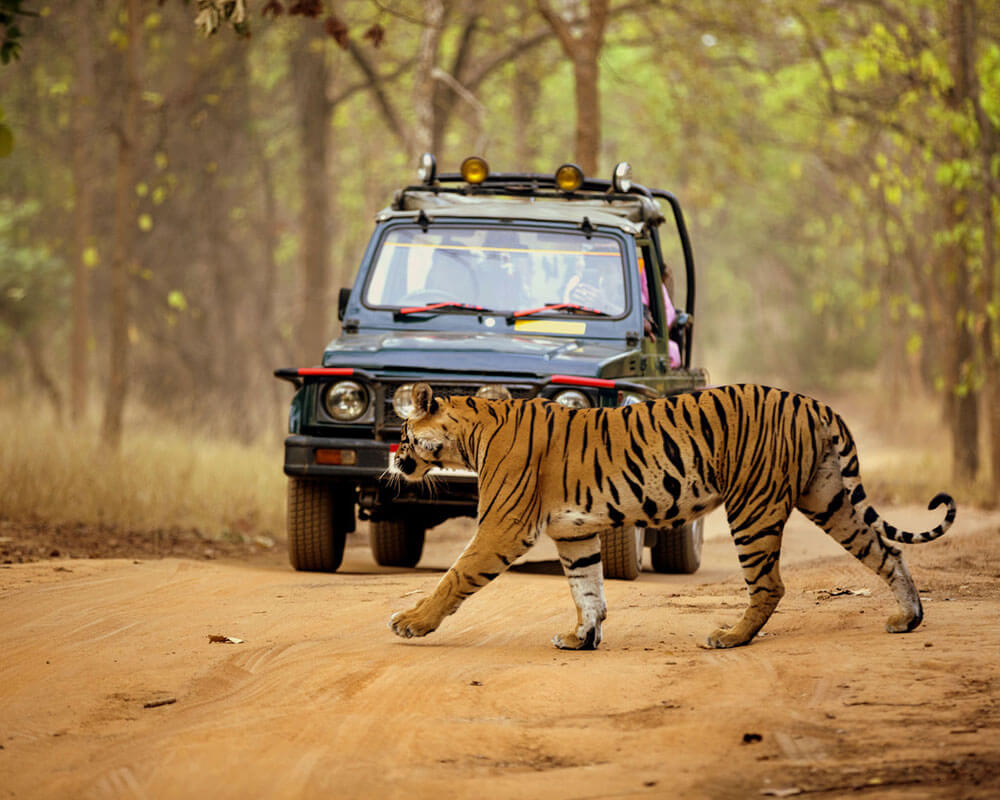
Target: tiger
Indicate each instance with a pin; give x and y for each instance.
(572, 472)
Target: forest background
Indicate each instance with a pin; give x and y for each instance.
(178, 209)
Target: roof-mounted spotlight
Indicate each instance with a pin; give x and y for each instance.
(475, 169)
(427, 170)
(569, 177)
(621, 178)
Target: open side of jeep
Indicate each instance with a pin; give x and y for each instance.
(494, 285)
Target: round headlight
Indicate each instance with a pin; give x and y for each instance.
(475, 169)
(402, 400)
(569, 177)
(621, 178)
(572, 398)
(346, 400)
(493, 391)
(427, 171)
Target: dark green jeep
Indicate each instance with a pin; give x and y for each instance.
(500, 286)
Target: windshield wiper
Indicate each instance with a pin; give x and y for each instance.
(437, 307)
(574, 308)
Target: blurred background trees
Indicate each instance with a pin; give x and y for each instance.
(178, 212)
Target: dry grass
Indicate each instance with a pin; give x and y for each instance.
(167, 477)
(904, 448)
(164, 477)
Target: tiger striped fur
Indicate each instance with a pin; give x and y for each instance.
(570, 473)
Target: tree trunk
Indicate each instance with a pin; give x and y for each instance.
(33, 347)
(84, 98)
(584, 51)
(989, 149)
(588, 113)
(452, 91)
(311, 76)
(524, 101)
(128, 135)
(965, 426)
(423, 80)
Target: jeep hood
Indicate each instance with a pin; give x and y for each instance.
(480, 353)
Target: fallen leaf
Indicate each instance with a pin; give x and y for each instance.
(218, 637)
(839, 591)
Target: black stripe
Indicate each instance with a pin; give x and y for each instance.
(586, 561)
(706, 431)
(614, 490)
(581, 538)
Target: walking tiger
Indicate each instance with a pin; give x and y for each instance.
(570, 473)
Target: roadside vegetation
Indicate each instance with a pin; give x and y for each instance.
(164, 477)
(168, 476)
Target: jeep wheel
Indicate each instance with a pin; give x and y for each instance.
(316, 526)
(397, 542)
(678, 550)
(621, 552)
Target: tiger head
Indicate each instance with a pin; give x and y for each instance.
(429, 437)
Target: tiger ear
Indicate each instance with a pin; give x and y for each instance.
(423, 401)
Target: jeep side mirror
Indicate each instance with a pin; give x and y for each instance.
(345, 295)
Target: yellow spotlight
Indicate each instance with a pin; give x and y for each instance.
(569, 177)
(475, 169)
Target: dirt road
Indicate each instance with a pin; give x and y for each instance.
(110, 686)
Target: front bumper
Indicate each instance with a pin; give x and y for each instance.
(371, 460)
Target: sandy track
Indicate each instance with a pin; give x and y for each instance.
(321, 700)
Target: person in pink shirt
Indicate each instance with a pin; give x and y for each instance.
(673, 349)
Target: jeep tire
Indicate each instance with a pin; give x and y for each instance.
(397, 542)
(318, 522)
(621, 552)
(678, 550)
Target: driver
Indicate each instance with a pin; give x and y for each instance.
(584, 285)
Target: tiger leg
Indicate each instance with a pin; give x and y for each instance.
(581, 561)
(485, 557)
(758, 545)
(828, 504)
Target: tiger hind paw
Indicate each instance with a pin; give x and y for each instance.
(579, 639)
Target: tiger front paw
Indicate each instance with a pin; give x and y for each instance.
(412, 623)
(580, 639)
(723, 638)
(903, 623)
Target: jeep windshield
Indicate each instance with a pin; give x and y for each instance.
(520, 272)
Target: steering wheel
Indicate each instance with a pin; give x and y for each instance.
(427, 296)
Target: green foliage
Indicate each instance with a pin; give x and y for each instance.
(10, 44)
(33, 279)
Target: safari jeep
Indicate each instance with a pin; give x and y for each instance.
(501, 286)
